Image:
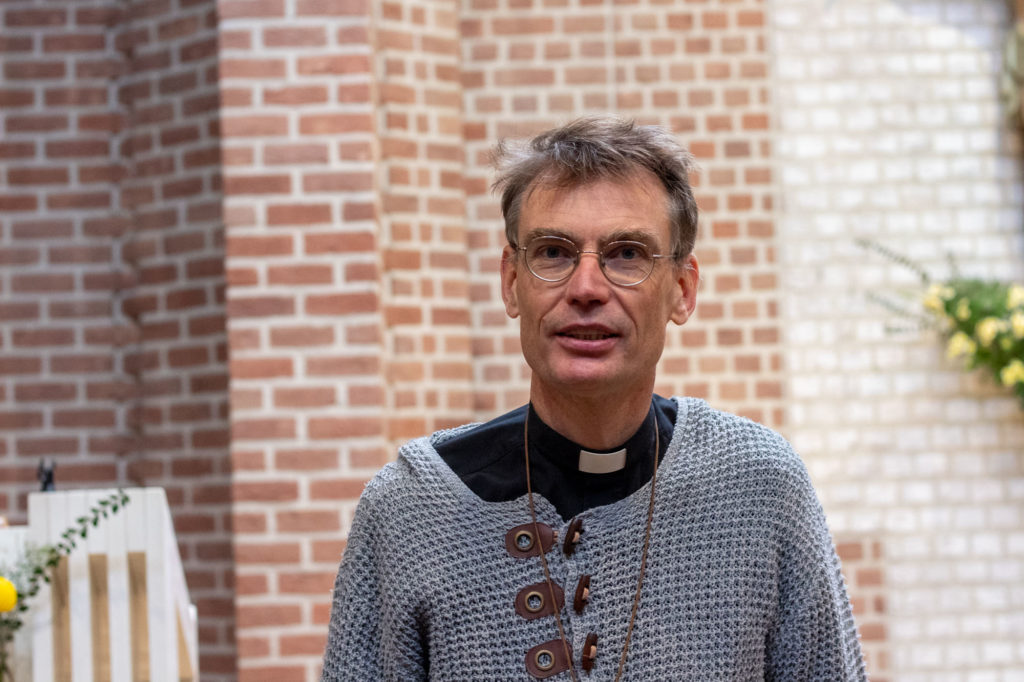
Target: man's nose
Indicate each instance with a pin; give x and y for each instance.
(587, 284)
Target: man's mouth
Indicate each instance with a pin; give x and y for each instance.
(587, 336)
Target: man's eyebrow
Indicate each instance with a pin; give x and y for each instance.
(547, 232)
(616, 236)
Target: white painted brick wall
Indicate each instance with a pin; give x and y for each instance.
(890, 129)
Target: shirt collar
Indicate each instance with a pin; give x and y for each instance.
(564, 453)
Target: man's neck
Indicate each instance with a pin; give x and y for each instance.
(593, 423)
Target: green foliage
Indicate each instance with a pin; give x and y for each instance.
(34, 568)
(984, 323)
(982, 320)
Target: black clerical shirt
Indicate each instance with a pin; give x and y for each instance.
(490, 461)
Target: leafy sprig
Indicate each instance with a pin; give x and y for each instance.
(36, 566)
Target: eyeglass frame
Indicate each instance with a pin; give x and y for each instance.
(600, 258)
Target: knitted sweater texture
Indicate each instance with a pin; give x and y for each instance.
(742, 581)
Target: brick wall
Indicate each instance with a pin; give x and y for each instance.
(112, 335)
(889, 129)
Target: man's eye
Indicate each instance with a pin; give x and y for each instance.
(626, 252)
(552, 252)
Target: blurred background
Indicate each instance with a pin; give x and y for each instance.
(248, 247)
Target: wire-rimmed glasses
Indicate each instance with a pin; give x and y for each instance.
(553, 259)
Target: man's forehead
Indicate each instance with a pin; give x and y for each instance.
(633, 208)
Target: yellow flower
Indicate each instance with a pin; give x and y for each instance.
(1017, 324)
(1015, 297)
(988, 329)
(960, 344)
(935, 298)
(963, 309)
(1013, 373)
(8, 595)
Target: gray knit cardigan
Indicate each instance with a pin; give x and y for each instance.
(742, 582)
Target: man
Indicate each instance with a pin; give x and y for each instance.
(600, 532)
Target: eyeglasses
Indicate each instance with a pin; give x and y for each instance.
(625, 263)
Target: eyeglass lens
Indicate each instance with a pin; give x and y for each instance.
(553, 259)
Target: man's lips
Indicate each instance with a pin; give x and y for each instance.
(586, 333)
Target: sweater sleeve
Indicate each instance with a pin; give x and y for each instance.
(373, 633)
(814, 636)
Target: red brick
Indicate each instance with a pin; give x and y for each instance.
(297, 36)
(301, 336)
(38, 176)
(341, 304)
(298, 214)
(296, 95)
(250, 9)
(35, 17)
(306, 459)
(264, 428)
(304, 645)
(327, 124)
(81, 200)
(295, 153)
(18, 202)
(257, 184)
(36, 123)
(333, 65)
(304, 397)
(268, 615)
(261, 368)
(342, 365)
(33, 70)
(252, 68)
(269, 491)
(339, 182)
(33, 447)
(45, 392)
(60, 149)
(343, 427)
(305, 521)
(332, 7)
(260, 306)
(10, 98)
(277, 673)
(74, 42)
(84, 418)
(337, 488)
(42, 283)
(340, 242)
(300, 274)
(17, 150)
(43, 337)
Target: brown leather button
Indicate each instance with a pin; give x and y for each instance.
(572, 536)
(520, 543)
(582, 594)
(589, 652)
(534, 601)
(547, 659)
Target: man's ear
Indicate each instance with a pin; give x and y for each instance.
(508, 282)
(687, 277)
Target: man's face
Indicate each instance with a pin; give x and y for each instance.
(584, 336)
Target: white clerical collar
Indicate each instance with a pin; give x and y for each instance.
(602, 462)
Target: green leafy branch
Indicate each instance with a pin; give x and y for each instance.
(983, 320)
(36, 566)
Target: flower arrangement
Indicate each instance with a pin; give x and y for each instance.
(983, 320)
(22, 581)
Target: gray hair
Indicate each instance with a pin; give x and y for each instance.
(596, 148)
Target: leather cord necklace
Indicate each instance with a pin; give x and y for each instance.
(643, 558)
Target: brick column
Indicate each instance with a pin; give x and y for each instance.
(300, 156)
